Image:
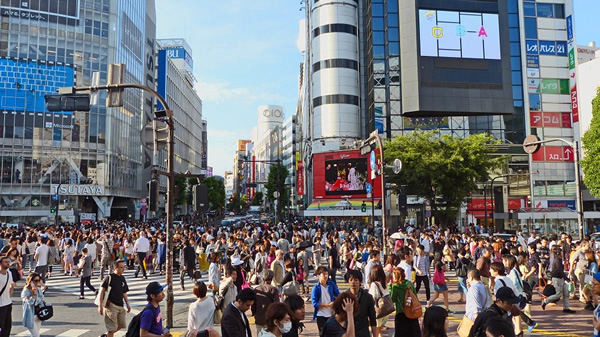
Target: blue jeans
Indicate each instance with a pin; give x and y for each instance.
(462, 285)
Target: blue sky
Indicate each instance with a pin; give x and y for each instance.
(245, 55)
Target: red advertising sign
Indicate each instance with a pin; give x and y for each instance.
(480, 204)
(299, 179)
(550, 119)
(341, 175)
(554, 154)
(574, 104)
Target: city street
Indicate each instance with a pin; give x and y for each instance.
(74, 317)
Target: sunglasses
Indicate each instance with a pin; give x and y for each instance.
(37, 280)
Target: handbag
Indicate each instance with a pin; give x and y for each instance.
(291, 288)
(464, 327)
(245, 284)
(106, 293)
(384, 304)
(44, 311)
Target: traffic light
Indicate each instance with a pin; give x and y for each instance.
(200, 196)
(363, 207)
(70, 102)
(230, 199)
(153, 195)
(52, 209)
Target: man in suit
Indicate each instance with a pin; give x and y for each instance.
(278, 268)
(234, 322)
(187, 259)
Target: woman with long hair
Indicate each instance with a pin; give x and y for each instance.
(15, 267)
(277, 320)
(68, 255)
(439, 284)
(435, 322)
(405, 327)
(32, 295)
(378, 289)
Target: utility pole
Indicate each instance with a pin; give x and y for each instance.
(167, 115)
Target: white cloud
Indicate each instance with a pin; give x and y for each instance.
(222, 92)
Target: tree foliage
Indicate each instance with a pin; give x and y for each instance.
(258, 199)
(276, 182)
(216, 192)
(442, 168)
(591, 146)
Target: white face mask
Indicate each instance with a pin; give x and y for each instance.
(286, 327)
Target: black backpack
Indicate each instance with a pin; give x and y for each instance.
(464, 268)
(133, 329)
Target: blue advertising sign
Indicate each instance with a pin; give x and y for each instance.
(570, 28)
(532, 47)
(23, 83)
(161, 79)
(570, 204)
(180, 53)
(561, 48)
(373, 162)
(533, 61)
(547, 48)
(55, 197)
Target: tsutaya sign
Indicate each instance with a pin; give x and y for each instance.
(78, 189)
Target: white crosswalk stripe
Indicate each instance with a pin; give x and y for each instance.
(26, 332)
(72, 333)
(137, 286)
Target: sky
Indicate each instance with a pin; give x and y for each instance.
(245, 55)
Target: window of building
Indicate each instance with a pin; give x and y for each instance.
(535, 102)
(545, 10)
(529, 8)
(559, 11)
(530, 28)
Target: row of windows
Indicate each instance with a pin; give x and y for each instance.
(96, 27)
(335, 63)
(544, 10)
(334, 28)
(335, 99)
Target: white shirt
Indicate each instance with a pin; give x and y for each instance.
(142, 245)
(425, 244)
(325, 299)
(200, 314)
(92, 250)
(42, 255)
(509, 283)
(5, 298)
(407, 270)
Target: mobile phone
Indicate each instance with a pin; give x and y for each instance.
(166, 330)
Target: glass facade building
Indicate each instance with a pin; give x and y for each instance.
(96, 156)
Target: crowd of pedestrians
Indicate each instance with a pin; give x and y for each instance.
(275, 271)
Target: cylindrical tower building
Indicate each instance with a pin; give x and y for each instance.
(334, 74)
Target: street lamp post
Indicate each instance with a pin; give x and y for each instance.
(532, 144)
(168, 115)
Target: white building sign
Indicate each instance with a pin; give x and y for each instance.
(78, 190)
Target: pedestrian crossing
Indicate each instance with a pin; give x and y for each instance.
(65, 333)
(137, 287)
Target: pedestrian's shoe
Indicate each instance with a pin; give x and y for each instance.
(589, 306)
(568, 311)
(544, 305)
(103, 335)
(81, 297)
(146, 277)
(135, 275)
(532, 326)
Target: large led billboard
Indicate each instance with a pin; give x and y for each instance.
(344, 174)
(23, 83)
(55, 11)
(459, 34)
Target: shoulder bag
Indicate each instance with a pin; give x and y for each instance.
(291, 288)
(106, 293)
(412, 310)
(219, 304)
(384, 304)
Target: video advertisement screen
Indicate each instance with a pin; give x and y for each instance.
(467, 35)
(346, 176)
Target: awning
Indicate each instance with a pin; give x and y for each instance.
(339, 204)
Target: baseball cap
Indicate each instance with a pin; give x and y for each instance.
(506, 294)
(154, 288)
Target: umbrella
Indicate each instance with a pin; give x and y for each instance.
(399, 236)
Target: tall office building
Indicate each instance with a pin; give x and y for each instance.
(88, 164)
(175, 82)
(463, 67)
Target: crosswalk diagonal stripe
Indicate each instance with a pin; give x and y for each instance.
(72, 333)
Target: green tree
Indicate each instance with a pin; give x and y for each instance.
(258, 199)
(442, 168)
(181, 186)
(276, 183)
(590, 164)
(216, 192)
